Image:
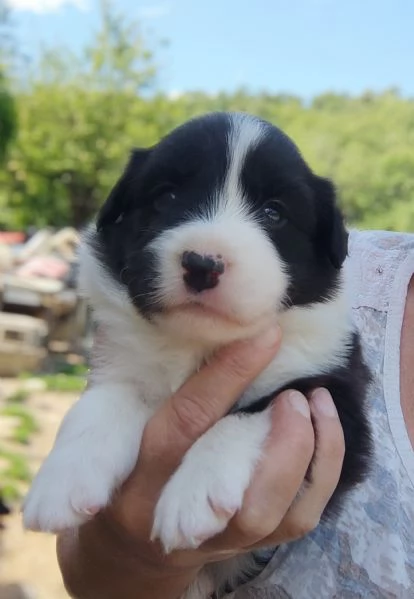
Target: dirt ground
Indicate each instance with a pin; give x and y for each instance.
(29, 558)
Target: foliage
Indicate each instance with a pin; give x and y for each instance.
(7, 117)
(79, 116)
(7, 106)
(75, 116)
(18, 397)
(14, 470)
(26, 423)
(64, 382)
(65, 378)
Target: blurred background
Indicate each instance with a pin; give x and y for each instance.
(82, 82)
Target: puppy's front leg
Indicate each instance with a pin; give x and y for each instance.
(208, 487)
(95, 450)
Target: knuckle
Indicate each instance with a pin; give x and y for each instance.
(191, 415)
(253, 525)
(303, 525)
(235, 367)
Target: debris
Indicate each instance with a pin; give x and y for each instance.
(41, 309)
(4, 511)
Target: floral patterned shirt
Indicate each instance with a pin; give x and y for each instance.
(368, 551)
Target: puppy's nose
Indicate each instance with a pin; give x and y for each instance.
(201, 272)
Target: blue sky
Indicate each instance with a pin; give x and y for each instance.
(303, 47)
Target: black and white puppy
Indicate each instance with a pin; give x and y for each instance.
(210, 236)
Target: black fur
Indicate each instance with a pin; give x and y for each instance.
(174, 181)
(156, 192)
(348, 386)
(313, 240)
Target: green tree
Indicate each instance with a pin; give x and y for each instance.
(7, 117)
(78, 115)
(7, 107)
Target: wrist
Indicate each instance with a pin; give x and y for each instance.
(97, 560)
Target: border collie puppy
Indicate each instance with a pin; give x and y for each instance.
(210, 236)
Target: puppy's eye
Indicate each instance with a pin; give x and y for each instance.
(163, 196)
(275, 212)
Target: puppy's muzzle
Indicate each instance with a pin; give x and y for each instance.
(201, 272)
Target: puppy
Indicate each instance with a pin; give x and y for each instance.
(208, 237)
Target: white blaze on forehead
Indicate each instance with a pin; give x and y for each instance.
(255, 279)
(244, 135)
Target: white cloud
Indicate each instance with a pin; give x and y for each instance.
(157, 11)
(174, 94)
(42, 6)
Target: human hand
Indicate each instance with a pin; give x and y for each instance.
(118, 540)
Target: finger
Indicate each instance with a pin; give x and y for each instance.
(202, 401)
(195, 407)
(279, 475)
(305, 513)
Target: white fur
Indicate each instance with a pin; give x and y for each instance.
(142, 363)
(200, 498)
(95, 450)
(315, 340)
(255, 278)
(245, 135)
(250, 264)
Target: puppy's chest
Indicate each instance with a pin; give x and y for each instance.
(158, 380)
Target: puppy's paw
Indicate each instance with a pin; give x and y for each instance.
(197, 504)
(208, 488)
(95, 450)
(68, 490)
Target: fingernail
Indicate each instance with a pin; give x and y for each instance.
(322, 400)
(299, 403)
(270, 338)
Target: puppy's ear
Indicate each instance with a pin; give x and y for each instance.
(122, 195)
(331, 235)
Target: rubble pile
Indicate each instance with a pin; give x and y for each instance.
(40, 307)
